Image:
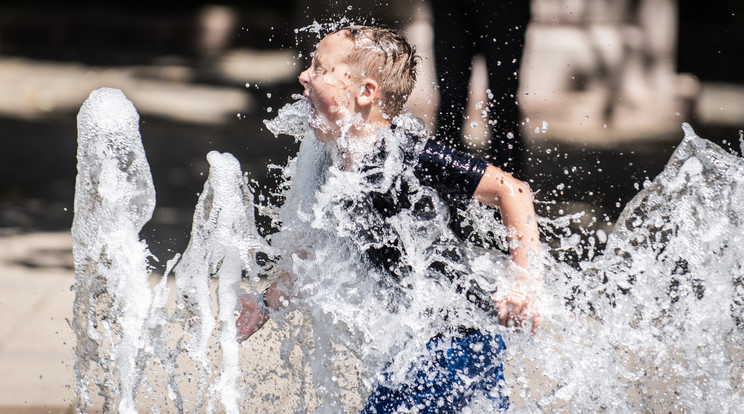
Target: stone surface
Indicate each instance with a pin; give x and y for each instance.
(36, 357)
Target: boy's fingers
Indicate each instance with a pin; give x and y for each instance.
(516, 311)
(248, 319)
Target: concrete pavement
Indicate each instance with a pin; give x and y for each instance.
(36, 355)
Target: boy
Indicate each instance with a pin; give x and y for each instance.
(358, 82)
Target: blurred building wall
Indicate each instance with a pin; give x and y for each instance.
(604, 70)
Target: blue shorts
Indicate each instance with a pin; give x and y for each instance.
(448, 379)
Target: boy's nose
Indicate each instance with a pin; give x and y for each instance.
(304, 77)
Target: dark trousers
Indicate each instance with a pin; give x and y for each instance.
(448, 378)
(496, 29)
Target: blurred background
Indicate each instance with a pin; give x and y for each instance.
(604, 88)
(607, 82)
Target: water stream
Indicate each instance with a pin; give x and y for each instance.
(652, 322)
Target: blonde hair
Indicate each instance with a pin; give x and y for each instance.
(385, 56)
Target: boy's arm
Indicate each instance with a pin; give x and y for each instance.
(514, 199)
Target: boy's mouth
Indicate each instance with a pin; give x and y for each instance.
(308, 99)
(314, 120)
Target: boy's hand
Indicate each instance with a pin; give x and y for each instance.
(519, 308)
(252, 317)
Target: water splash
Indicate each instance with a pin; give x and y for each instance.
(656, 321)
(653, 322)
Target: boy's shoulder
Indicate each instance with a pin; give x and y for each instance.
(411, 125)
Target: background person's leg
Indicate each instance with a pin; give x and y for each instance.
(504, 25)
(454, 45)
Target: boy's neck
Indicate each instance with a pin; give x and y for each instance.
(358, 141)
(367, 131)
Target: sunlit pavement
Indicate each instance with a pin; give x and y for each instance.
(36, 340)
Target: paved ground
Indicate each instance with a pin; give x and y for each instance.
(36, 357)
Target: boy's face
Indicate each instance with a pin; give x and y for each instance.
(330, 86)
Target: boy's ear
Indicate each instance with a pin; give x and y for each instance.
(368, 93)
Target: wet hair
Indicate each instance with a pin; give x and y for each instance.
(385, 56)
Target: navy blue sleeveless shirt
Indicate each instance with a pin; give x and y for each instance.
(454, 177)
